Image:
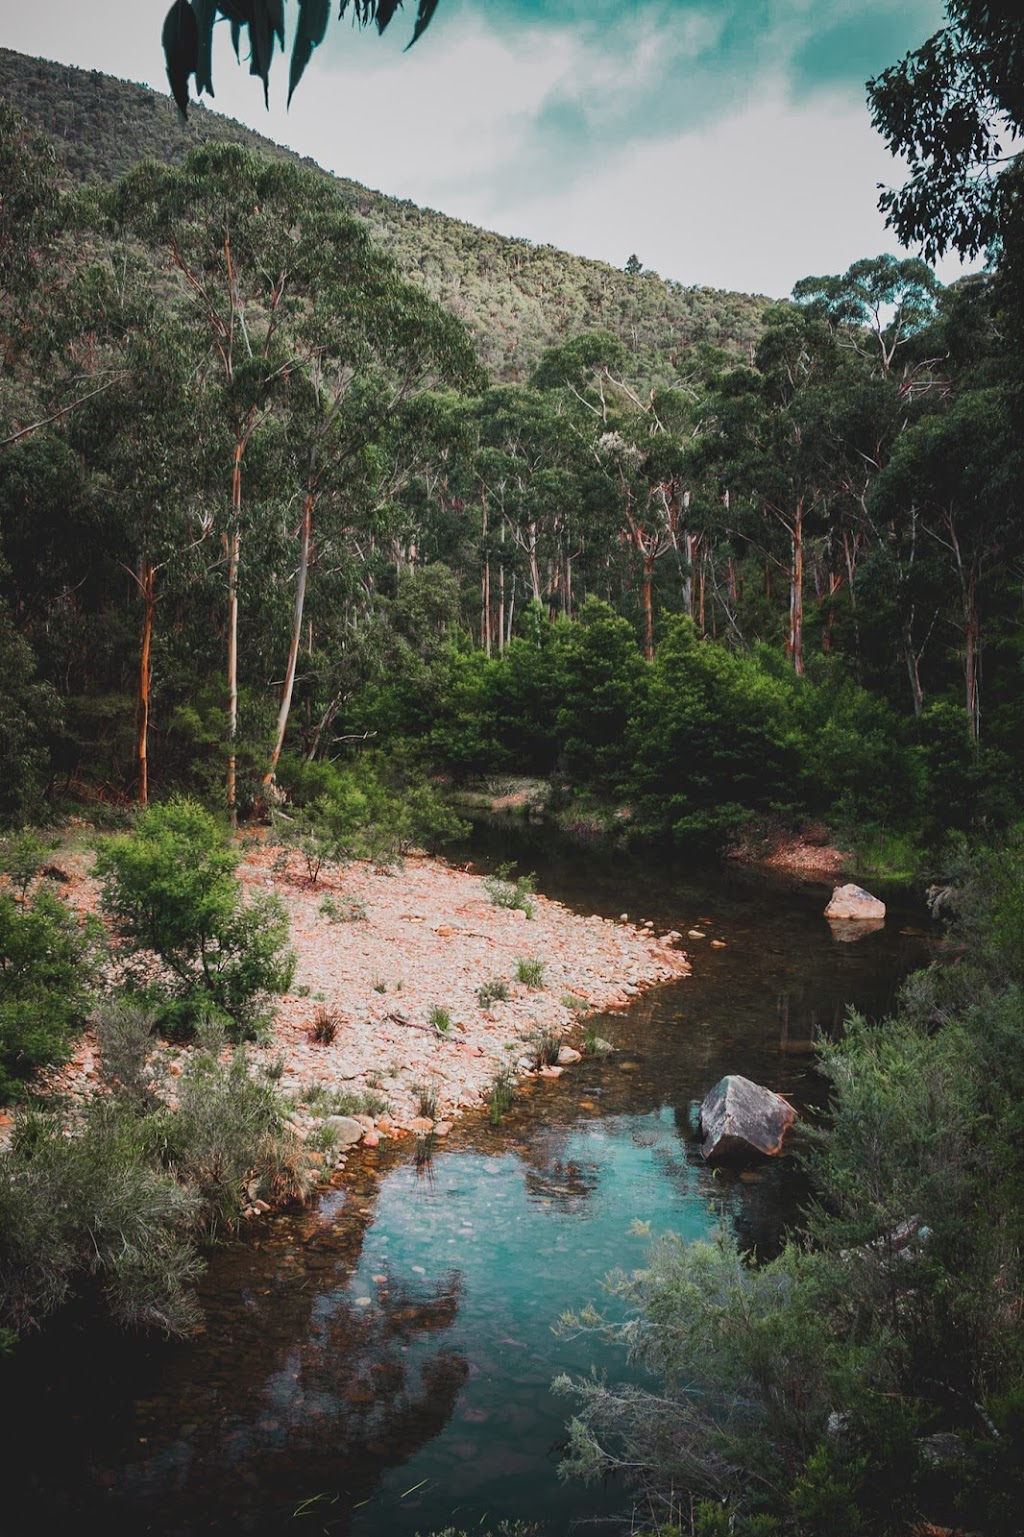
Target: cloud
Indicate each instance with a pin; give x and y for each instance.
(727, 141)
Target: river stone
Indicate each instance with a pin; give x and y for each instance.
(854, 902)
(739, 1117)
(347, 1130)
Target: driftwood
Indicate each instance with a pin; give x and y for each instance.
(394, 1018)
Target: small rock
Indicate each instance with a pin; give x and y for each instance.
(718, 944)
(442, 1128)
(365, 1120)
(421, 1123)
(371, 1139)
(600, 1047)
(695, 933)
(549, 1072)
(567, 1055)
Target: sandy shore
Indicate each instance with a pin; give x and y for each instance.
(379, 951)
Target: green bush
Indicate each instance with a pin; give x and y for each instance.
(506, 890)
(171, 888)
(22, 856)
(88, 1216)
(48, 964)
(227, 1141)
(530, 972)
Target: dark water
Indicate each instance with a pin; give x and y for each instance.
(382, 1364)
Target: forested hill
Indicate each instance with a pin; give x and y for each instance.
(516, 298)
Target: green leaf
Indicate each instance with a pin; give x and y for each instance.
(423, 19)
(309, 34)
(181, 50)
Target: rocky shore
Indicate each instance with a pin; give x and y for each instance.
(390, 966)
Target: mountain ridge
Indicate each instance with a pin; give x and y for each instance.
(515, 297)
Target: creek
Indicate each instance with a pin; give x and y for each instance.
(381, 1363)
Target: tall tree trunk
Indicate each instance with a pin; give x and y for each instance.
(972, 653)
(501, 599)
(648, 605)
(230, 779)
(911, 659)
(233, 552)
(148, 585)
(796, 592)
(305, 540)
(485, 584)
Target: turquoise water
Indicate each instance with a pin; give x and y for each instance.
(381, 1364)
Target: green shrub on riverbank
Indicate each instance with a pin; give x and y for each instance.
(113, 1215)
(170, 887)
(48, 964)
(806, 1391)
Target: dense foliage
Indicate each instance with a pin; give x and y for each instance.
(261, 509)
(870, 1376)
(170, 887)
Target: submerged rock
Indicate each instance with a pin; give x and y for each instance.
(739, 1117)
(854, 902)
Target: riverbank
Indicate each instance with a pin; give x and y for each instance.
(390, 964)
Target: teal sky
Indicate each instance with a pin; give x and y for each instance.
(727, 142)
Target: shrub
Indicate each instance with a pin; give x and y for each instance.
(345, 910)
(544, 1046)
(89, 1216)
(48, 963)
(125, 1028)
(441, 1019)
(506, 892)
(324, 1027)
(530, 972)
(492, 992)
(22, 856)
(502, 1093)
(227, 1140)
(171, 888)
(426, 1097)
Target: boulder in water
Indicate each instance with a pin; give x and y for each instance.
(739, 1117)
(854, 902)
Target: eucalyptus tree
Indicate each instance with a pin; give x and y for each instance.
(307, 341)
(877, 305)
(954, 110)
(959, 472)
(640, 446)
(772, 445)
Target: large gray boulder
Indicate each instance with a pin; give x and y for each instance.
(854, 902)
(739, 1117)
(345, 1129)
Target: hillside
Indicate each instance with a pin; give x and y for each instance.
(516, 298)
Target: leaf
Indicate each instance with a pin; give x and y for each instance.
(205, 14)
(181, 50)
(424, 17)
(385, 12)
(309, 33)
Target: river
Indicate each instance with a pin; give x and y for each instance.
(381, 1364)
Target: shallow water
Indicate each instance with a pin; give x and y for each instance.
(382, 1364)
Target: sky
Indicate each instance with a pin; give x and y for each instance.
(726, 143)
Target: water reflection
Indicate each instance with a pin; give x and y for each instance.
(382, 1364)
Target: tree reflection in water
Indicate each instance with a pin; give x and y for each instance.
(298, 1392)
